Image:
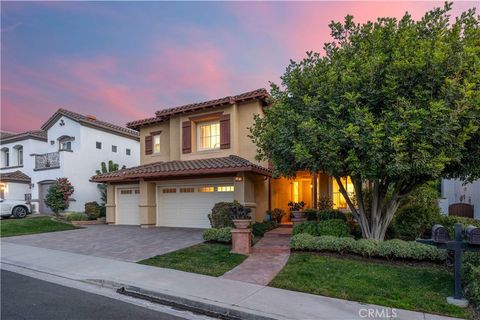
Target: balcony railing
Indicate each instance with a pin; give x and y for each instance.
(47, 161)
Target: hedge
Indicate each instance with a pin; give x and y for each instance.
(390, 249)
(471, 278)
(218, 235)
(76, 216)
(334, 227)
(259, 228)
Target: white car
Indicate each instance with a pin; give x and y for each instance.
(16, 208)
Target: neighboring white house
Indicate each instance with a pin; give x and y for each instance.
(454, 191)
(68, 145)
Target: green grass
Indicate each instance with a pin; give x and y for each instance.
(16, 227)
(400, 286)
(211, 259)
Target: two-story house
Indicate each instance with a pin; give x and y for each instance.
(68, 145)
(196, 155)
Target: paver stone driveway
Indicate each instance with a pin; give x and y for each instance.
(126, 243)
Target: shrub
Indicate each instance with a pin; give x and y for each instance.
(449, 223)
(218, 235)
(334, 227)
(391, 249)
(259, 229)
(219, 218)
(311, 214)
(309, 227)
(76, 216)
(330, 215)
(58, 195)
(413, 221)
(92, 210)
(325, 203)
(471, 277)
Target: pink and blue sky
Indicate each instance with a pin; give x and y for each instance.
(121, 61)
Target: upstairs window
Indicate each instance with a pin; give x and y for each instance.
(208, 135)
(156, 143)
(65, 143)
(98, 145)
(5, 157)
(18, 150)
(128, 152)
(114, 148)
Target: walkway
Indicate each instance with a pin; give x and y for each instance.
(269, 256)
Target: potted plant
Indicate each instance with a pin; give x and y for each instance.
(240, 217)
(296, 209)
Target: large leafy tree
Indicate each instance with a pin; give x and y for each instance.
(392, 104)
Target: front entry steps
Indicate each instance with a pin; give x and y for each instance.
(269, 256)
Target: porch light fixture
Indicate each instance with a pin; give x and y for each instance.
(238, 179)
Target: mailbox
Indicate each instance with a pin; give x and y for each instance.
(440, 234)
(472, 234)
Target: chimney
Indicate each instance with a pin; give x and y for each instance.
(90, 117)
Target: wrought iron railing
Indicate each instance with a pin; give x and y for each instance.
(47, 160)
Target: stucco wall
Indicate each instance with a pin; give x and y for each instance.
(16, 191)
(455, 191)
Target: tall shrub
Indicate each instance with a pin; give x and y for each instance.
(58, 196)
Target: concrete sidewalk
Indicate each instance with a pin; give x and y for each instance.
(238, 299)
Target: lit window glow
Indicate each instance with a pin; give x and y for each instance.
(206, 189)
(225, 188)
(209, 135)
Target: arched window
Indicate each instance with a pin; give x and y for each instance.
(19, 154)
(65, 143)
(5, 157)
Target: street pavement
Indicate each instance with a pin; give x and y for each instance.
(24, 297)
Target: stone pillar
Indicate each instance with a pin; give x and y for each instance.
(241, 241)
(147, 204)
(296, 221)
(245, 192)
(110, 205)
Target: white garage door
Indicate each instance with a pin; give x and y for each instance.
(189, 206)
(127, 206)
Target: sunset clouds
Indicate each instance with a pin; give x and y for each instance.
(123, 60)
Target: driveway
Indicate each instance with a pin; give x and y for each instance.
(126, 243)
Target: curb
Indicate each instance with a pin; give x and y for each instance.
(213, 309)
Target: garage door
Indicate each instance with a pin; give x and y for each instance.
(189, 206)
(127, 206)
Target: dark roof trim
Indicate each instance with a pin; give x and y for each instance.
(39, 135)
(91, 122)
(15, 176)
(166, 114)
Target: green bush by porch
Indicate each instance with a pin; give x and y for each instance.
(211, 259)
(413, 288)
(18, 227)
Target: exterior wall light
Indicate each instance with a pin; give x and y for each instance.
(238, 179)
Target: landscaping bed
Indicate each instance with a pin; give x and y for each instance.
(31, 225)
(211, 259)
(417, 288)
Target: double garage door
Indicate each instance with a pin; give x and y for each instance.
(177, 205)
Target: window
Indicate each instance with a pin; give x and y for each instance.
(206, 189)
(99, 145)
(128, 152)
(208, 135)
(5, 157)
(339, 201)
(20, 156)
(126, 191)
(137, 191)
(169, 190)
(66, 145)
(156, 143)
(114, 148)
(187, 190)
(225, 188)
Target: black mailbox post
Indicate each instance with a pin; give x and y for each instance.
(441, 240)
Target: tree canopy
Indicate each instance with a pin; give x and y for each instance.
(392, 104)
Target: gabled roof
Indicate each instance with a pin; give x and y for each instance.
(15, 176)
(8, 137)
(231, 164)
(91, 121)
(165, 114)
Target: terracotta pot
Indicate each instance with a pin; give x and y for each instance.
(242, 224)
(298, 214)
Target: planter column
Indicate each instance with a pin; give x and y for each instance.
(241, 241)
(110, 205)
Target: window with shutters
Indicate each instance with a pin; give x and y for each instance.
(208, 135)
(156, 143)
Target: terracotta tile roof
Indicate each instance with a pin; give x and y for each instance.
(230, 164)
(165, 114)
(15, 176)
(90, 121)
(7, 137)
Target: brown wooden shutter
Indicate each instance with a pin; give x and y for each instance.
(225, 131)
(148, 145)
(186, 136)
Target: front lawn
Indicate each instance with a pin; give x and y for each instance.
(17, 227)
(416, 288)
(211, 259)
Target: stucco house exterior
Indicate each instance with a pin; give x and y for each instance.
(465, 196)
(67, 145)
(196, 155)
